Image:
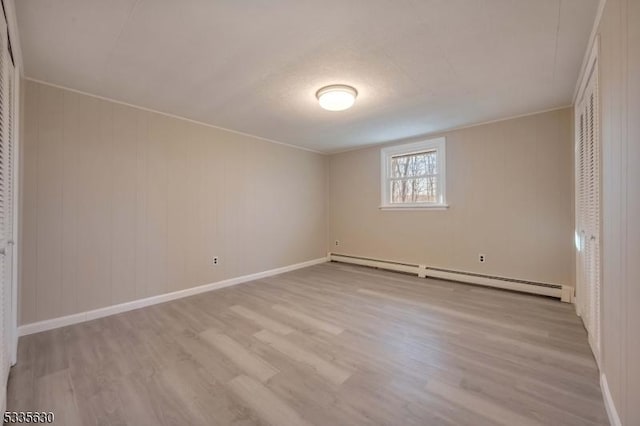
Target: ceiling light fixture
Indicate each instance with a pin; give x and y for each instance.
(337, 97)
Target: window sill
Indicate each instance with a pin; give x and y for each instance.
(416, 207)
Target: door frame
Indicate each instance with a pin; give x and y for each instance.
(15, 273)
(13, 38)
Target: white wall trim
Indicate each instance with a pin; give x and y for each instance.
(414, 207)
(589, 49)
(177, 117)
(614, 418)
(591, 67)
(437, 133)
(444, 132)
(37, 327)
(17, 210)
(14, 35)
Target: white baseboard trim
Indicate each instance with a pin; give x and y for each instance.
(561, 292)
(39, 326)
(614, 418)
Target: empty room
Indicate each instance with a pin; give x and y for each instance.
(287, 213)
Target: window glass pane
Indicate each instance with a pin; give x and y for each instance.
(418, 164)
(420, 190)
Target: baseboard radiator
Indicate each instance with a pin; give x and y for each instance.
(558, 291)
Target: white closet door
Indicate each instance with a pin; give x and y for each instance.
(588, 207)
(6, 208)
(581, 197)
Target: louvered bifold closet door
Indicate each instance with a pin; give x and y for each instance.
(6, 207)
(593, 214)
(588, 210)
(581, 209)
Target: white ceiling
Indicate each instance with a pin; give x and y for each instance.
(253, 66)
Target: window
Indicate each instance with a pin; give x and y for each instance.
(413, 175)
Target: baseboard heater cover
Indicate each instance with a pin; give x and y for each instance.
(561, 292)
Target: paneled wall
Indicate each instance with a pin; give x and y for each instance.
(619, 76)
(121, 204)
(510, 191)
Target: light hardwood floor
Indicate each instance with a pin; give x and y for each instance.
(332, 344)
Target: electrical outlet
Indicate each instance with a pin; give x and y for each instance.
(214, 261)
(482, 258)
(337, 243)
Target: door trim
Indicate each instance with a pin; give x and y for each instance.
(15, 275)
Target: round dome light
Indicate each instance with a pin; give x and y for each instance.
(337, 97)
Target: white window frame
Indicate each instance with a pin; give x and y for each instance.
(438, 145)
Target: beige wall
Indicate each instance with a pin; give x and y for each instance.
(121, 204)
(509, 187)
(619, 77)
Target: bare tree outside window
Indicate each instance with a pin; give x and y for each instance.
(413, 175)
(414, 178)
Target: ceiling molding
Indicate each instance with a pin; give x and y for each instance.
(452, 129)
(327, 153)
(178, 117)
(587, 52)
(14, 35)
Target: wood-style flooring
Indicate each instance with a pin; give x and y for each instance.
(332, 344)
